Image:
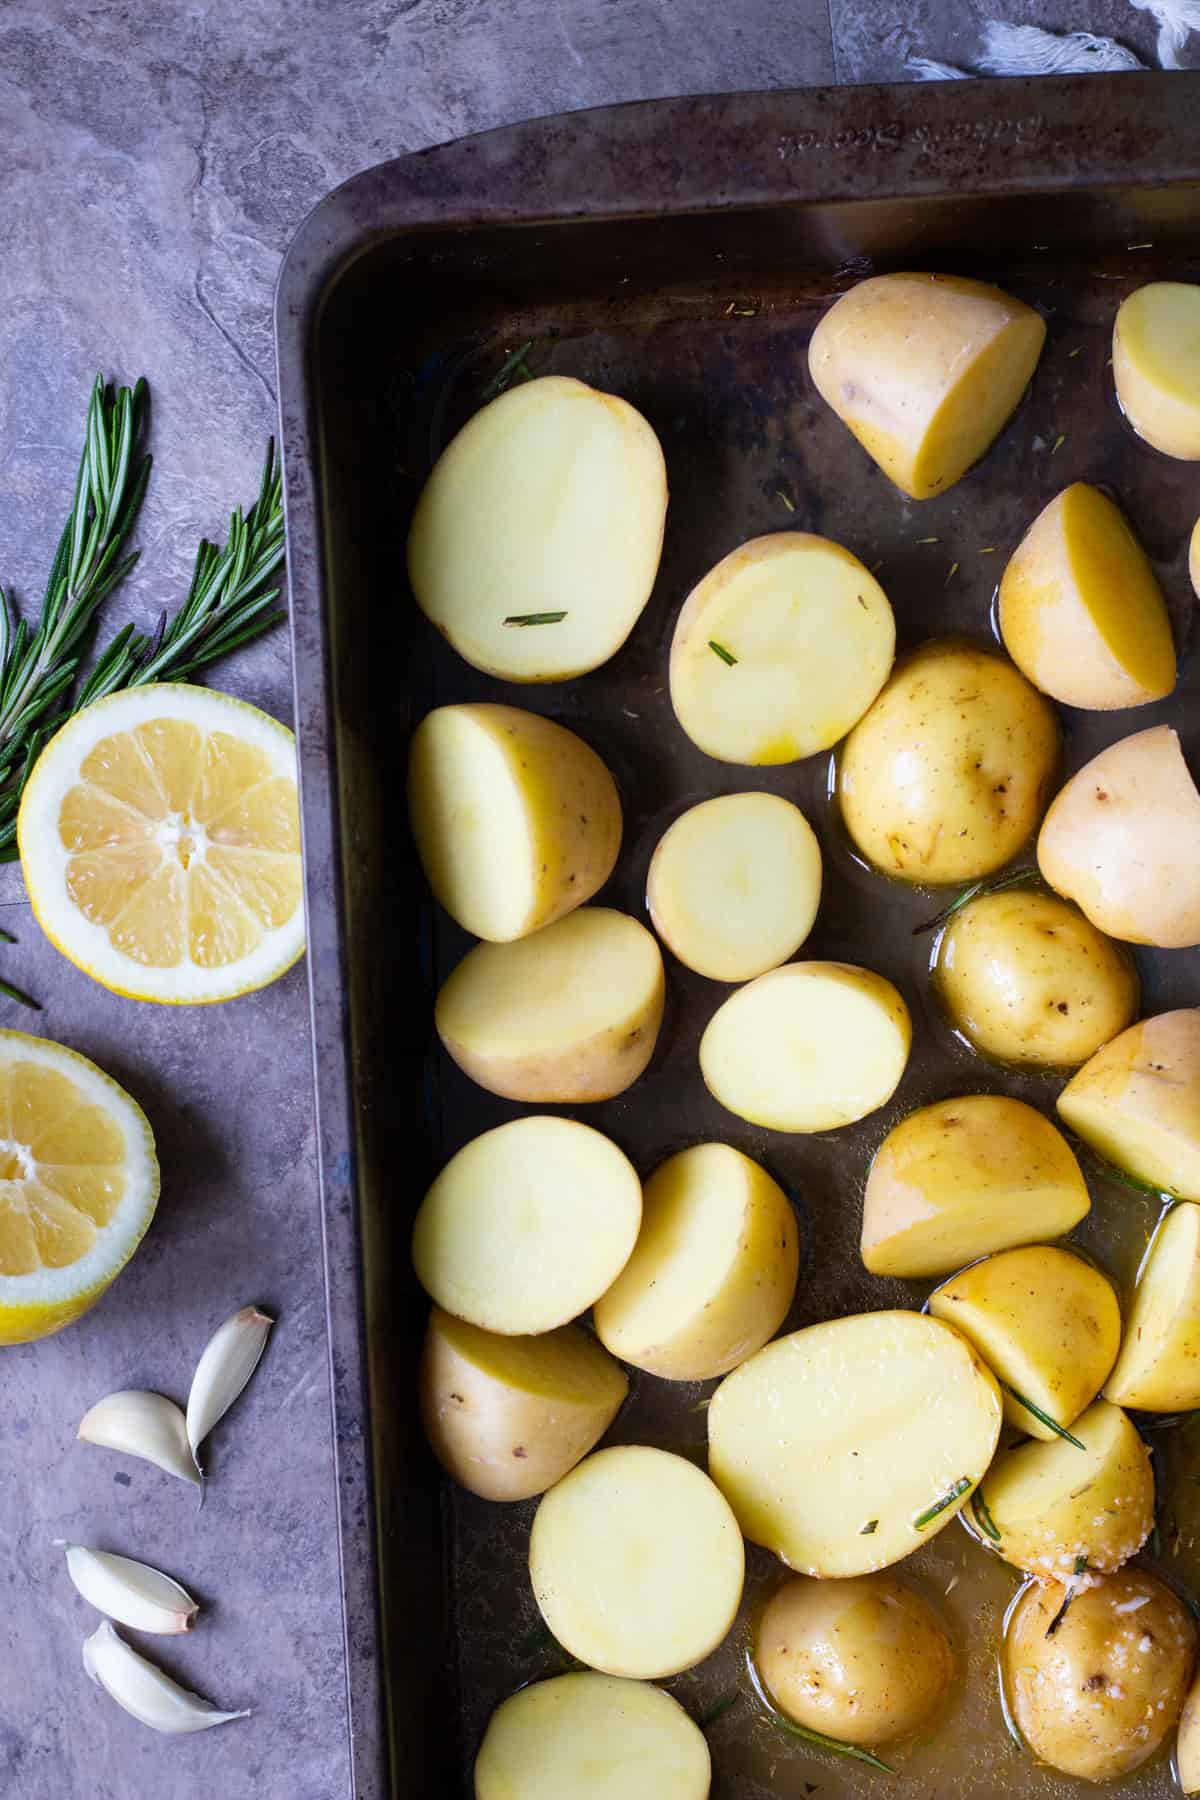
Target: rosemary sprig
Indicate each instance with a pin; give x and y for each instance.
(1043, 1418)
(939, 1506)
(1019, 878)
(835, 1745)
(983, 1516)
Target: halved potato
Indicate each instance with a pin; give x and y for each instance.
(1187, 1747)
(1138, 1102)
(1156, 365)
(779, 649)
(962, 1178)
(1194, 558)
(1158, 1369)
(807, 1047)
(570, 1014)
(508, 1416)
(637, 1562)
(516, 819)
(845, 1446)
(1122, 839)
(1047, 1324)
(734, 885)
(536, 540)
(527, 1225)
(946, 776)
(1061, 1510)
(925, 370)
(591, 1737)
(713, 1272)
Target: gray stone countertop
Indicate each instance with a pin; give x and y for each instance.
(157, 159)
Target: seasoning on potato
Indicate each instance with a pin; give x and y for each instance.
(946, 776)
(1158, 1369)
(926, 371)
(1156, 365)
(1138, 1102)
(779, 649)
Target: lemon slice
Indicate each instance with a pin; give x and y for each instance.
(160, 842)
(78, 1184)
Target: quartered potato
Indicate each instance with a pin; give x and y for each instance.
(779, 649)
(1156, 365)
(1138, 1102)
(536, 540)
(1158, 1369)
(925, 370)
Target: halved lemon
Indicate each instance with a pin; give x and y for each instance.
(160, 842)
(78, 1184)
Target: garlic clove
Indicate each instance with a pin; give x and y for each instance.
(228, 1361)
(130, 1592)
(144, 1690)
(139, 1423)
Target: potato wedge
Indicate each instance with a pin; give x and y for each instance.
(1138, 1102)
(536, 540)
(1187, 1745)
(779, 649)
(637, 1562)
(713, 1272)
(946, 776)
(568, 1015)
(962, 1178)
(926, 371)
(516, 819)
(734, 885)
(1081, 611)
(508, 1416)
(1156, 365)
(591, 1737)
(1158, 1369)
(831, 1450)
(1122, 839)
(527, 1225)
(807, 1047)
(1046, 1323)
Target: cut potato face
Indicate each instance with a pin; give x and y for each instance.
(516, 820)
(1156, 365)
(508, 1416)
(925, 370)
(527, 1225)
(962, 1178)
(807, 1047)
(947, 775)
(1047, 1324)
(714, 1270)
(1122, 839)
(550, 501)
(1081, 612)
(568, 1015)
(845, 1446)
(734, 885)
(1187, 1748)
(637, 1562)
(1158, 1369)
(1061, 1507)
(1027, 979)
(591, 1737)
(779, 650)
(1138, 1102)
(1194, 558)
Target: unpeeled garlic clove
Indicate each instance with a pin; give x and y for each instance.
(142, 1424)
(130, 1592)
(228, 1361)
(144, 1690)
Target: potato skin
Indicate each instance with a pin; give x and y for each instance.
(1099, 1697)
(1137, 1102)
(866, 1660)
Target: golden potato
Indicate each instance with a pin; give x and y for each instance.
(1194, 558)
(946, 776)
(865, 1660)
(568, 1015)
(1098, 1695)
(1158, 1369)
(536, 540)
(1187, 1746)
(962, 1178)
(1027, 979)
(1081, 612)
(1047, 1324)
(1122, 839)
(1138, 1102)
(508, 1416)
(1156, 365)
(516, 819)
(713, 1272)
(925, 370)
(779, 649)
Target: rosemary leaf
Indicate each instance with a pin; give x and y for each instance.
(719, 1709)
(513, 365)
(869, 1529)
(983, 1516)
(939, 1506)
(1043, 1418)
(1019, 878)
(546, 618)
(725, 655)
(835, 1745)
